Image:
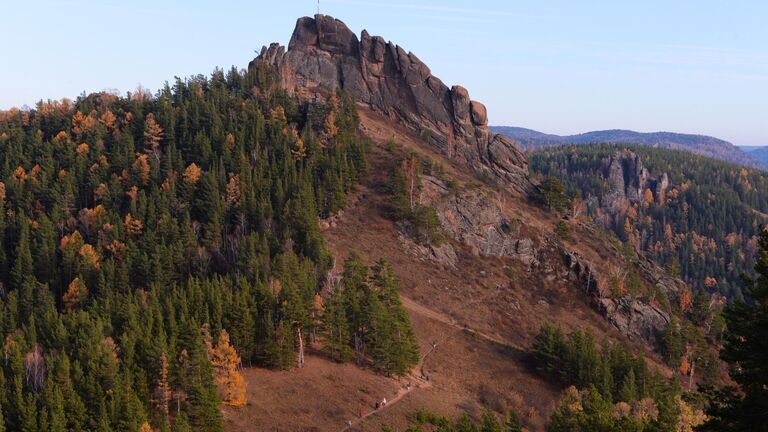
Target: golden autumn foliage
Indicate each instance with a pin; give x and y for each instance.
(233, 191)
(133, 226)
(686, 298)
(145, 427)
(2, 191)
(226, 364)
(299, 149)
(685, 366)
(76, 293)
(90, 217)
(192, 173)
(82, 124)
(690, 417)
(647, 197)
(90, 257)
(133, 193)
(710, 282)
(20, 175)
(61, 138)
(140, 168)
(330, 130)
(153, 135)
(109, 120)
(54, 107)
(645, 410)
(82, 149)
(117, 249)
(73, 240)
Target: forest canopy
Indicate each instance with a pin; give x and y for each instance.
(152, 244)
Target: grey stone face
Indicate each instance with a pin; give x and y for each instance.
(324, 55)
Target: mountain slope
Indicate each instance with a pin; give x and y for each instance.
(496, 244)
(760, 154)
(700, 215)
(230, 255)
(699, 144)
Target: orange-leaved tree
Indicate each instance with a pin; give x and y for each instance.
(226, 364)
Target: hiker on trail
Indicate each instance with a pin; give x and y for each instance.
(361, 412)
(384, 402)
(408, 385)
(349, 423)
(434, 345)
(377, 404)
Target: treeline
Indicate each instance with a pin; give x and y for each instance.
(704, 228)
(619, 390)
(418, 220)
(364, 319)
(150, 244)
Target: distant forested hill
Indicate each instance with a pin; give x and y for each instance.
(699, 144)
(703, 223)
(758, 153)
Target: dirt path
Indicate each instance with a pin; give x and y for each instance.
(420, 309)
(422, 379)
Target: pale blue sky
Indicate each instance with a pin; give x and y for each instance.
(558, 66)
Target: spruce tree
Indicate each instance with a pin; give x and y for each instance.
(746, 352)
(335, 328)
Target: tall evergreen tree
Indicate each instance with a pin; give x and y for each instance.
(745, 350)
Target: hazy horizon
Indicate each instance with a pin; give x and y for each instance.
(555, 67)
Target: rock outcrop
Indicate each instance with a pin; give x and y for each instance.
(635, 318)
(476, 219)
(325, 55)
(627, 180)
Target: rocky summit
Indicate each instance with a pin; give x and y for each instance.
(324, 55)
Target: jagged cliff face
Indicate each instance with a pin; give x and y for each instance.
(324, 55)
(628, 180)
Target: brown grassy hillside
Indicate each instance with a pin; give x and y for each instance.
(482, 320)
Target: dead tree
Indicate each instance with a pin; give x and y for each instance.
(300, 357)
(34, 365)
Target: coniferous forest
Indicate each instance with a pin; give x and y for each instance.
(706, 227)
(151, 245)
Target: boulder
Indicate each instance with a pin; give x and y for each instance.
(479, 113)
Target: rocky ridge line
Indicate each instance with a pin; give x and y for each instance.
(325, 55)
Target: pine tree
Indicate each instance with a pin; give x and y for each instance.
(628, 391)
(335, 328)
(22, 270)
(401, 352)
(163, 391)
(747, 354)
(197, 379)
(512, 423)
(489, 423)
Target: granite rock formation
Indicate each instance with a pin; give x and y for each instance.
(325, 55)
(627, 181)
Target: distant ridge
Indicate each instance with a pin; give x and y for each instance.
(758, 153)
(700, 144)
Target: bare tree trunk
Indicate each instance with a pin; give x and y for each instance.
(300, 358)
(693, 370)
